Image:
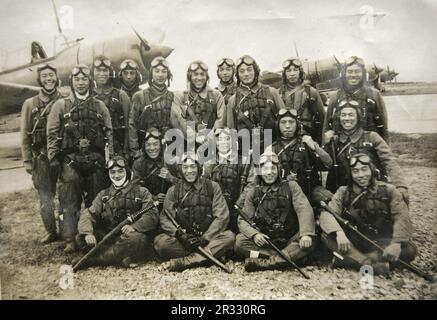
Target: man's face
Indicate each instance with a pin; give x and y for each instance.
(354, 74)
(269, 172)
(225, 73)
(224, 143)
(117, 173)
(361, 174)
(129, 76)
(246, 74)
(152, 147)
(159, 75)
(81, 83)
(101, 75)
(189, 170)
(287, 127)
(199, 78)
(348, 118)
(292, 74)
(48, 79)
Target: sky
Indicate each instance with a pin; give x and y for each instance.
(405, 38)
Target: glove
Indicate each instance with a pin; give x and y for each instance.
(392, 252)
(28, 166)
(404, 193)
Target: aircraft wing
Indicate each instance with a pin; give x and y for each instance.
(12, 96)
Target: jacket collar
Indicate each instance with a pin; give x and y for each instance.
(245, 90)
(353, 137)
(202, 94)
(46, 98)
(223, 87)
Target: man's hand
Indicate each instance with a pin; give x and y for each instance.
(200, 138)
(404, 193)
(260, 239)
(90, 240)
(160, 197)
(292, 176)
(392, 252)
(28, 166)
(190, 242)
(136, 154)
(329, 135)
(305, 242)
(164, 173)
(127, 229)
(309, 142)
(343, 243)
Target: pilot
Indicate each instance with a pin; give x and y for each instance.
(78, 129)
(151, 107)
(198, 206)
(373, 112)
(254, 105)
(34, 145)
(130, 77)
(226, 75)
(299, 95)
(351, 138)
(117, 101)
(200, 105)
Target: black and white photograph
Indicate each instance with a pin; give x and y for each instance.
(218, 150)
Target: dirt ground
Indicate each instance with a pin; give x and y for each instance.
(31, 271)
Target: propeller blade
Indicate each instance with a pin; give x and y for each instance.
(338, 63)
(143, 42)
(58, 23)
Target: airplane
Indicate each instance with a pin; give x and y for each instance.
(324, 75)
(19, 83)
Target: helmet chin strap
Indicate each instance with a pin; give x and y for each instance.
(81, 96)
(120, 183)
(49, 92)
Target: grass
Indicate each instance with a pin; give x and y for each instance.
(415, 149)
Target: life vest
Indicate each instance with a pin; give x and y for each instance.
(204, 109)
(112, 101)
(82, 120)
(117, 206)
(155, 112)
(255, 110)
(194, 209)
(371, 213)
(275, 215)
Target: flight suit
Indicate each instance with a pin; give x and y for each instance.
(118, 104)
(307, 102)
(283, 213)
(372, 106)
(381, 214)
(34, 115)
(147, 171)
(255, 108)
(203, 212)
(371, 143)
(150, 108)
(77, 132)
(234, 179)
(109, 208)
(300, 163)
